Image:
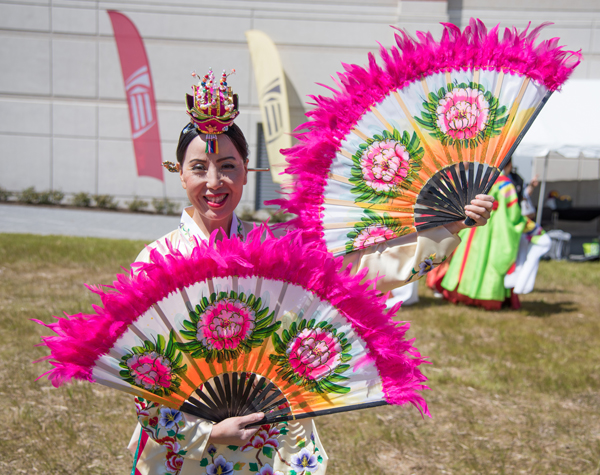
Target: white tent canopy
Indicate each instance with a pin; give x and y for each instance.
(564, 141)
(569, 124)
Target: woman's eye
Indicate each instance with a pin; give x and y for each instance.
(199, 168)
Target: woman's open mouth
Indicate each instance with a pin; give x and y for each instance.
(216, 201)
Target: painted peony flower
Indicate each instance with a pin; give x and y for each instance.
(385, 165)
(220, 467)
(371, 235)
(304, 460)
(141, 407)
(225, 325)
(314, 353)
(169, 417)
(172, 446)
(463, 113)
(173, 463)
(268, 470)
(266, 436)
(150, 370)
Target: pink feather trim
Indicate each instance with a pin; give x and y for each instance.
(411, 60)
(80, 340)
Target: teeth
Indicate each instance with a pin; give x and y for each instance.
(216, 199)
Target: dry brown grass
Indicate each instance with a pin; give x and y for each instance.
(512, 392)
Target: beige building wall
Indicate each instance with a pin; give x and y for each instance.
(63, 115)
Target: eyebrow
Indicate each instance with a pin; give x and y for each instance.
(218, 160)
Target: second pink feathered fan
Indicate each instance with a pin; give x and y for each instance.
(404, 147)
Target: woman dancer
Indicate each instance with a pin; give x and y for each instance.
(212, 162)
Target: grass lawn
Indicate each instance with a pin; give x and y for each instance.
(511, 392)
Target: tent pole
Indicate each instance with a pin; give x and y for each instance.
(538, 218)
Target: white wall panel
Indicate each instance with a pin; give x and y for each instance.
(74, 165)
(116, 168)
(110, 80)
(148, 188)
(74, 20)
(29, 117)
(170, 123)
(113, 121)
(74, 68)
(24, 162)
(74, 119)
(201, 26)
(24, 17)
(322, 33)
(25, 65)
(172, 63)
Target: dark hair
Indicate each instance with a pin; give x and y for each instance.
(190, 132)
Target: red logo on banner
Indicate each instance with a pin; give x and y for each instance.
(140, 96)
(138, 93)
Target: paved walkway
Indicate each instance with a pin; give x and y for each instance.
(75, 222)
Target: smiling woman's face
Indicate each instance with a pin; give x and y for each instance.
(213, 182)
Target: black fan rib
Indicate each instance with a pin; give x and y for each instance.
(237, 394)
(443, 198)
(470, 190)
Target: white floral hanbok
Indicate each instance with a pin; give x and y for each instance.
(167, 441)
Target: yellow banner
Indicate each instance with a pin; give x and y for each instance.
(273, 100)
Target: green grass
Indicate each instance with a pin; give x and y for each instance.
(76, 429)
(511, 392)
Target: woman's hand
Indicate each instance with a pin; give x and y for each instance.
(232, 431)
(479, 211)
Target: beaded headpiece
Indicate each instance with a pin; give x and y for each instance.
(213, 107)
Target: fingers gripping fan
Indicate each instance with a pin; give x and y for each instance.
(405, 147)
(241, 327)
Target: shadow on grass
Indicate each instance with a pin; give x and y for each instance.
(536, 308)
(541, 309)
(426, 302)
(550, 291)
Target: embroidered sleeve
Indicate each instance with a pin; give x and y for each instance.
(182, 434)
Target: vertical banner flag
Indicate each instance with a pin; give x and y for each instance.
(140, 96)
(273, 100)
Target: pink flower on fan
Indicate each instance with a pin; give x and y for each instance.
(371, 235)
(314, 353)
(462, 113)
(225, 325)
(266, 436)
(385, 165)
(150, 370)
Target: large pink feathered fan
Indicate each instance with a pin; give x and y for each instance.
(405, 147)
(239, 327)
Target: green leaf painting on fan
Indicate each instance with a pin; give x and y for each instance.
(463, 115)
(155, 366)
(226, 325)
(384, 165)
(313, 355)
(374, 229)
